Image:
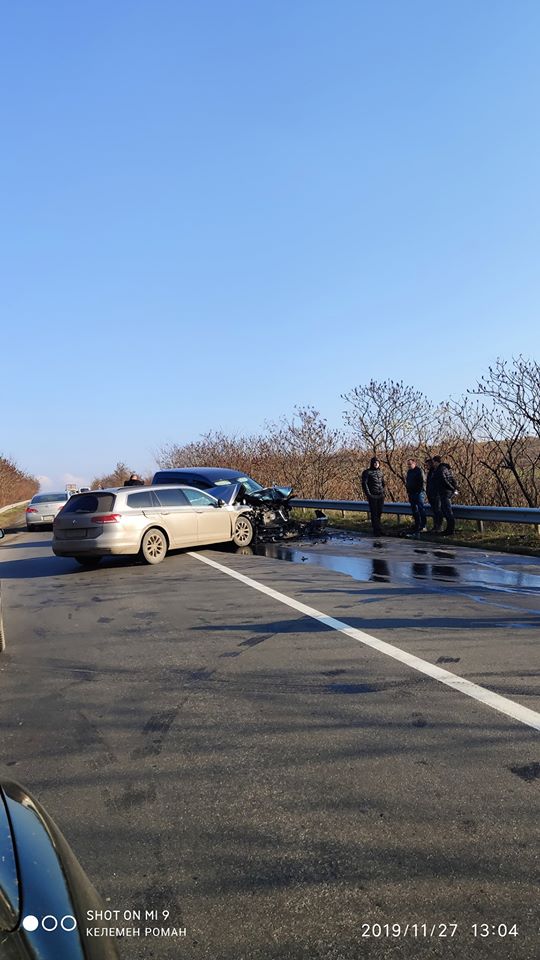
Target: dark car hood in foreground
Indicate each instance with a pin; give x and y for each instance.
(41, 879)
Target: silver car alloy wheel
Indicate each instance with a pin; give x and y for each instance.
(243, 532)
(154, 546)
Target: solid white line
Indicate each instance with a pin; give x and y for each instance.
(529, 717)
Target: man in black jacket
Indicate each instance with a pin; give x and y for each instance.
(414, 482)
(433, 495)
(373, 487)
(445, 485)
(134, 481)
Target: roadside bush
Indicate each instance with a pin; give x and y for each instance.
(15, 485)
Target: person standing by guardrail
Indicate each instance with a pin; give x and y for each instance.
(373, 487)
(433, 495)
(445, 485)
(134, 481)
(414, 482)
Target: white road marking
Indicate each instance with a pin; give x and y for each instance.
(490, 699)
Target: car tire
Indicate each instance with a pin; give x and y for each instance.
(88, 562)
(243, 532)
(154, 546)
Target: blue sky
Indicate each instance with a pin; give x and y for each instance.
(213, 211)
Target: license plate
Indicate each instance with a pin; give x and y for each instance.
(48, 519)
(75, 534)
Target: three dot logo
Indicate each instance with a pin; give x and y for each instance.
(49, 923)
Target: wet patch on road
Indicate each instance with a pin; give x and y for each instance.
(465, 568)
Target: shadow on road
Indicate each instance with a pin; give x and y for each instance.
(25, 544)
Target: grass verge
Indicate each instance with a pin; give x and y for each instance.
(12, 519)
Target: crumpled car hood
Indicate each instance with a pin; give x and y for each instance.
(233, 492)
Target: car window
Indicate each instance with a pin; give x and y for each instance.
(90, 503)
(170, 497)
(248, 483)
(199, 499)
(193, 479)
(140, 500)
(50, 498)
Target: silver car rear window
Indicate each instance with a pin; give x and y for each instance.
(90, 503)
(50, 498)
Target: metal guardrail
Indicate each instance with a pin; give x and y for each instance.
(461, 511)
(11, 506)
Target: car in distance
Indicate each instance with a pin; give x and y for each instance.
(43, 508)
(146, 522)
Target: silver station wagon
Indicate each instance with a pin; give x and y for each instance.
(145, 522)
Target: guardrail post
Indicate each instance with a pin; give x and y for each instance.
(480, 526)
(398, 518)
(537, 528)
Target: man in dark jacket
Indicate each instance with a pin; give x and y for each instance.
(134, 481)
(445, 485)
(433, 496)
(414, 482)
(373, 487)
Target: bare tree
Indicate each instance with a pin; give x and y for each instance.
(214, 448)
(15, 484)
(392, 421)
(515, 387)
(510, 426)
(307, 452)
(114, 479)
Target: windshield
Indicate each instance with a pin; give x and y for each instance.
(249, 484)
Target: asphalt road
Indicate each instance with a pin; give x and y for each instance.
(279, 786)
